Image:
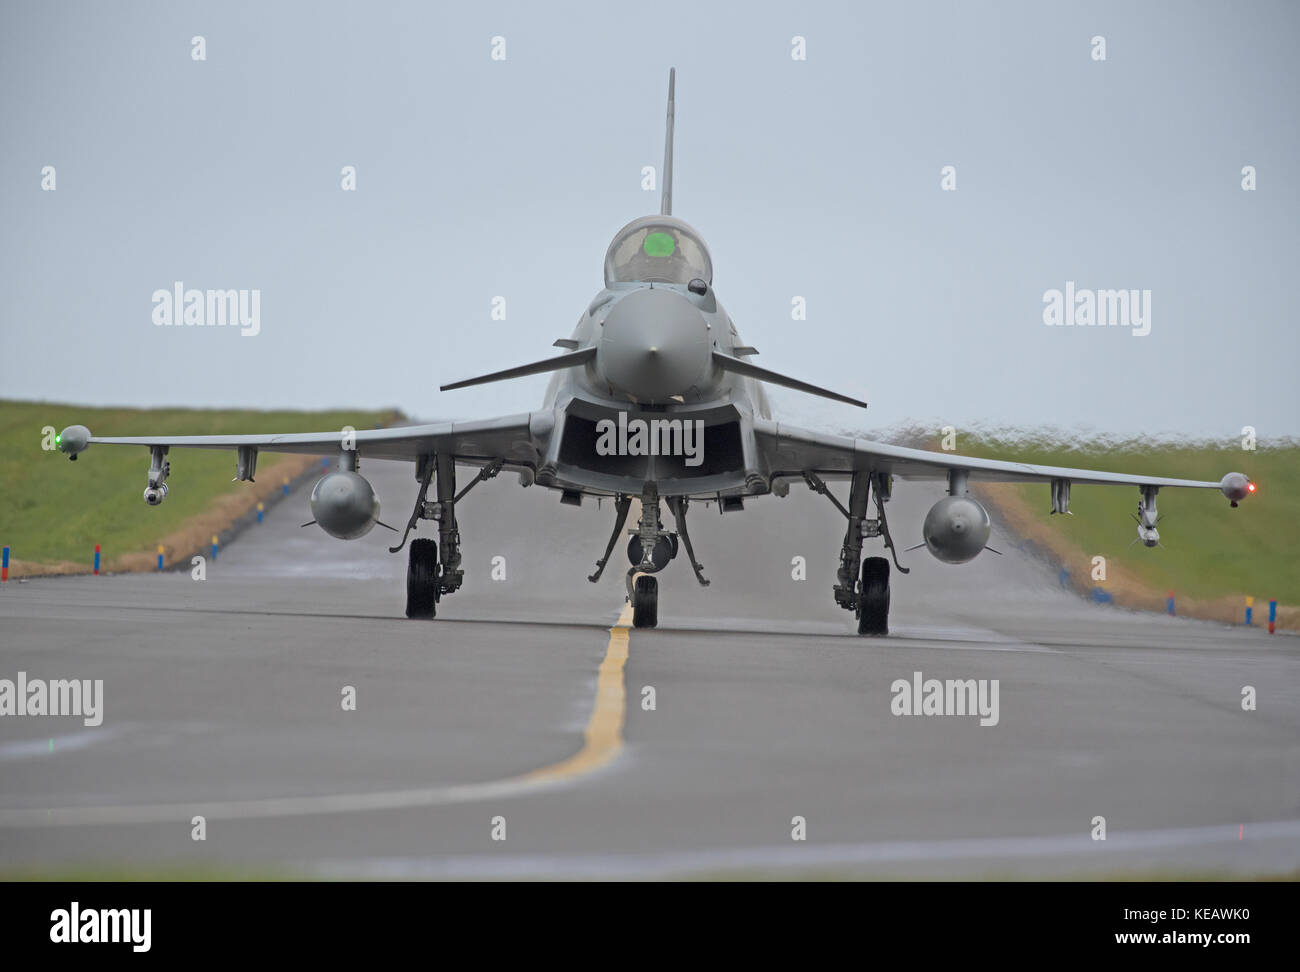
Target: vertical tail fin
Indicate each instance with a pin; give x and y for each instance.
(666, 207)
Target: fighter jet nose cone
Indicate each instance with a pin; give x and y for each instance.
(654, 345)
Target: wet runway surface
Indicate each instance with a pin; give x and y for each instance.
(524, 711)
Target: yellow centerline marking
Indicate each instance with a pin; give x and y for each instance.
(603, 738)
(602, 741)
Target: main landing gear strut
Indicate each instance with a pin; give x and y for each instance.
(650, 549)
(865, 592)
(429, 577)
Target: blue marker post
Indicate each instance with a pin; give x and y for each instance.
(1169, 603)
(1250, 610)
(96, 558)
(260, 510)
(214, 546)
(4, 565)
(160, 557)
(284, 490)
(1272, 616)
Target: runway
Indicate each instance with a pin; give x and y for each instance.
(521, 712)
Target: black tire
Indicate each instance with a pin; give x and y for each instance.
(873, 597)
(645, 602)
(422, 579)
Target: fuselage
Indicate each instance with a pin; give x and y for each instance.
(655, 326)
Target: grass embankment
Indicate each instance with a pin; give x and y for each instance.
(53, 511)
(1212, 556)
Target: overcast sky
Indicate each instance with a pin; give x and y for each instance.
(819, 178)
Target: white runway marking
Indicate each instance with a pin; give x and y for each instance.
(49, 745)
(274, 807)
(812, 856)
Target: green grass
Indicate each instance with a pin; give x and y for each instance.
(1210, 550)
(54, 510)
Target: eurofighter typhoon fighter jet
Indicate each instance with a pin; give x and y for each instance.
(654, 397)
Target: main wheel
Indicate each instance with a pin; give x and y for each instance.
(645, 602)
(422, 579)
(873, 597)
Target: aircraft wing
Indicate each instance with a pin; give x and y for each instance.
(791, 451)
(509, 439)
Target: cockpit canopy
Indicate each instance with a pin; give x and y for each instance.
(657, 249)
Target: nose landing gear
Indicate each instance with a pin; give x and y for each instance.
(643, 590)
(650, 549)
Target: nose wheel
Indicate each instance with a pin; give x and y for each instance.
(645, 602)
